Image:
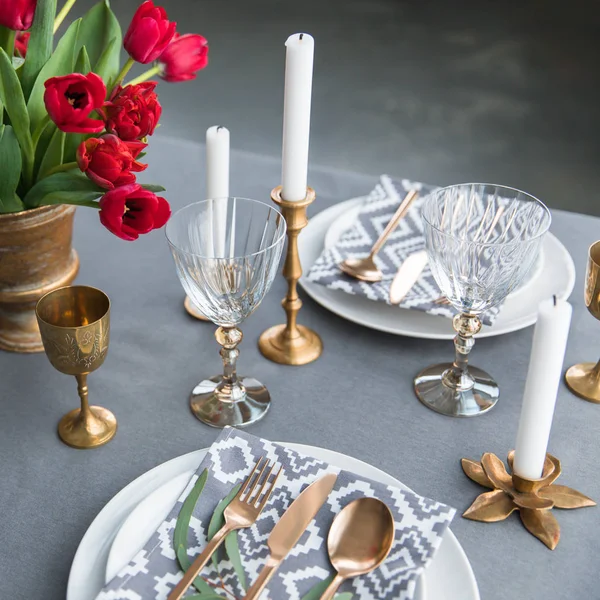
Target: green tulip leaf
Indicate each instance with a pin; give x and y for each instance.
(99, 28)
(82, 64)
(89, 199)
(54, 153)
(39, 48)
(218, 520)
(10, 161)
(60, 63)
(104, 66)
(18, 62)
(43, 143)
(208, 596)
(62, 183)
(181, 532)
(13, 100)
(151, 187)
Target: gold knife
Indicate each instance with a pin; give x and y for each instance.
(408, 274)
(290, 527)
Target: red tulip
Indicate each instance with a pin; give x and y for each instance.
(149, 33)
(130, 210)
(108, 161)
(184, 57)
(133, 112)
(17, 14)
(71, 98)
(21, 43)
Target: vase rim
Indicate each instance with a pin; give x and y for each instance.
(40, 213)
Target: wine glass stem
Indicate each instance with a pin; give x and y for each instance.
(457, 376)
(229, 338)
(82, 390)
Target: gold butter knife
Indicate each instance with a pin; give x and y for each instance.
(408, 274)
(290, 528)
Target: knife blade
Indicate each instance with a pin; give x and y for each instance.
(289, 529)
(408, 274)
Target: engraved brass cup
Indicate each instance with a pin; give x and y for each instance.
(583, 379)
(75, 325)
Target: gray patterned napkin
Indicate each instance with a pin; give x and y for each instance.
(420, 526)
(407, 239)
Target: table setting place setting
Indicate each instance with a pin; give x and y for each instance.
(249, 517)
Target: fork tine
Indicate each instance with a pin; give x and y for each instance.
(264, 483)
(269, 490)
(256, 481)
(249, 478)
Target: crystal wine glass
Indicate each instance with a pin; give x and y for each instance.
(227, 253)
(481, 240)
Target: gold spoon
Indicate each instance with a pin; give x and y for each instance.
(360, 538)
(365, 269)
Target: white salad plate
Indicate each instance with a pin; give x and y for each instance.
(554, 275)
(126, 523)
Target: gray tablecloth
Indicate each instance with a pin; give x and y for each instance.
(357, 399)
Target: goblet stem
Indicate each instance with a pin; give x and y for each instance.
(457, 376)
(82, 390)
(229, 389)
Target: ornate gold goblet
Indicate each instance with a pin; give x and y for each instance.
(584, 379)
(75, 324)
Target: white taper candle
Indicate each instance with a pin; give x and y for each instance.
(543, 378)
(217, 180)
(296, 115)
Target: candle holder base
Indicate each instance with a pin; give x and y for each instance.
(533, 498)
(193, 310)
(277, 345)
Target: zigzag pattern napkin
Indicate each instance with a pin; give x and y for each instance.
(407, 239)
(420, 526)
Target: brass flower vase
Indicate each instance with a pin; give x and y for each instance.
(36, 257)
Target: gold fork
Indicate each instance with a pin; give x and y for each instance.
(239, 514)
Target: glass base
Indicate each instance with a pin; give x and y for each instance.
(583, 380)
(87, 430)
(250, 406)
(438, 396)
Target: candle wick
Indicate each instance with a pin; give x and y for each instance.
(301, 35)
(554, 297)
(219, 127)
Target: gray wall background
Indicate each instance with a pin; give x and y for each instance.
(440, 91)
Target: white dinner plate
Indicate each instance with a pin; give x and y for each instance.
(556, 276)
(448, 577)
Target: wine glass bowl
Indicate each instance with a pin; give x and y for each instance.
(481, 241)
(227, 253)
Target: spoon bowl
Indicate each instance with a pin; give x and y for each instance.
(360, 539)
(364, 269)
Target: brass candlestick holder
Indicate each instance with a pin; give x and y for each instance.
(291, 344)
(533, 498)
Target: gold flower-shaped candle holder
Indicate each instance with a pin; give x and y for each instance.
(533, 498)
